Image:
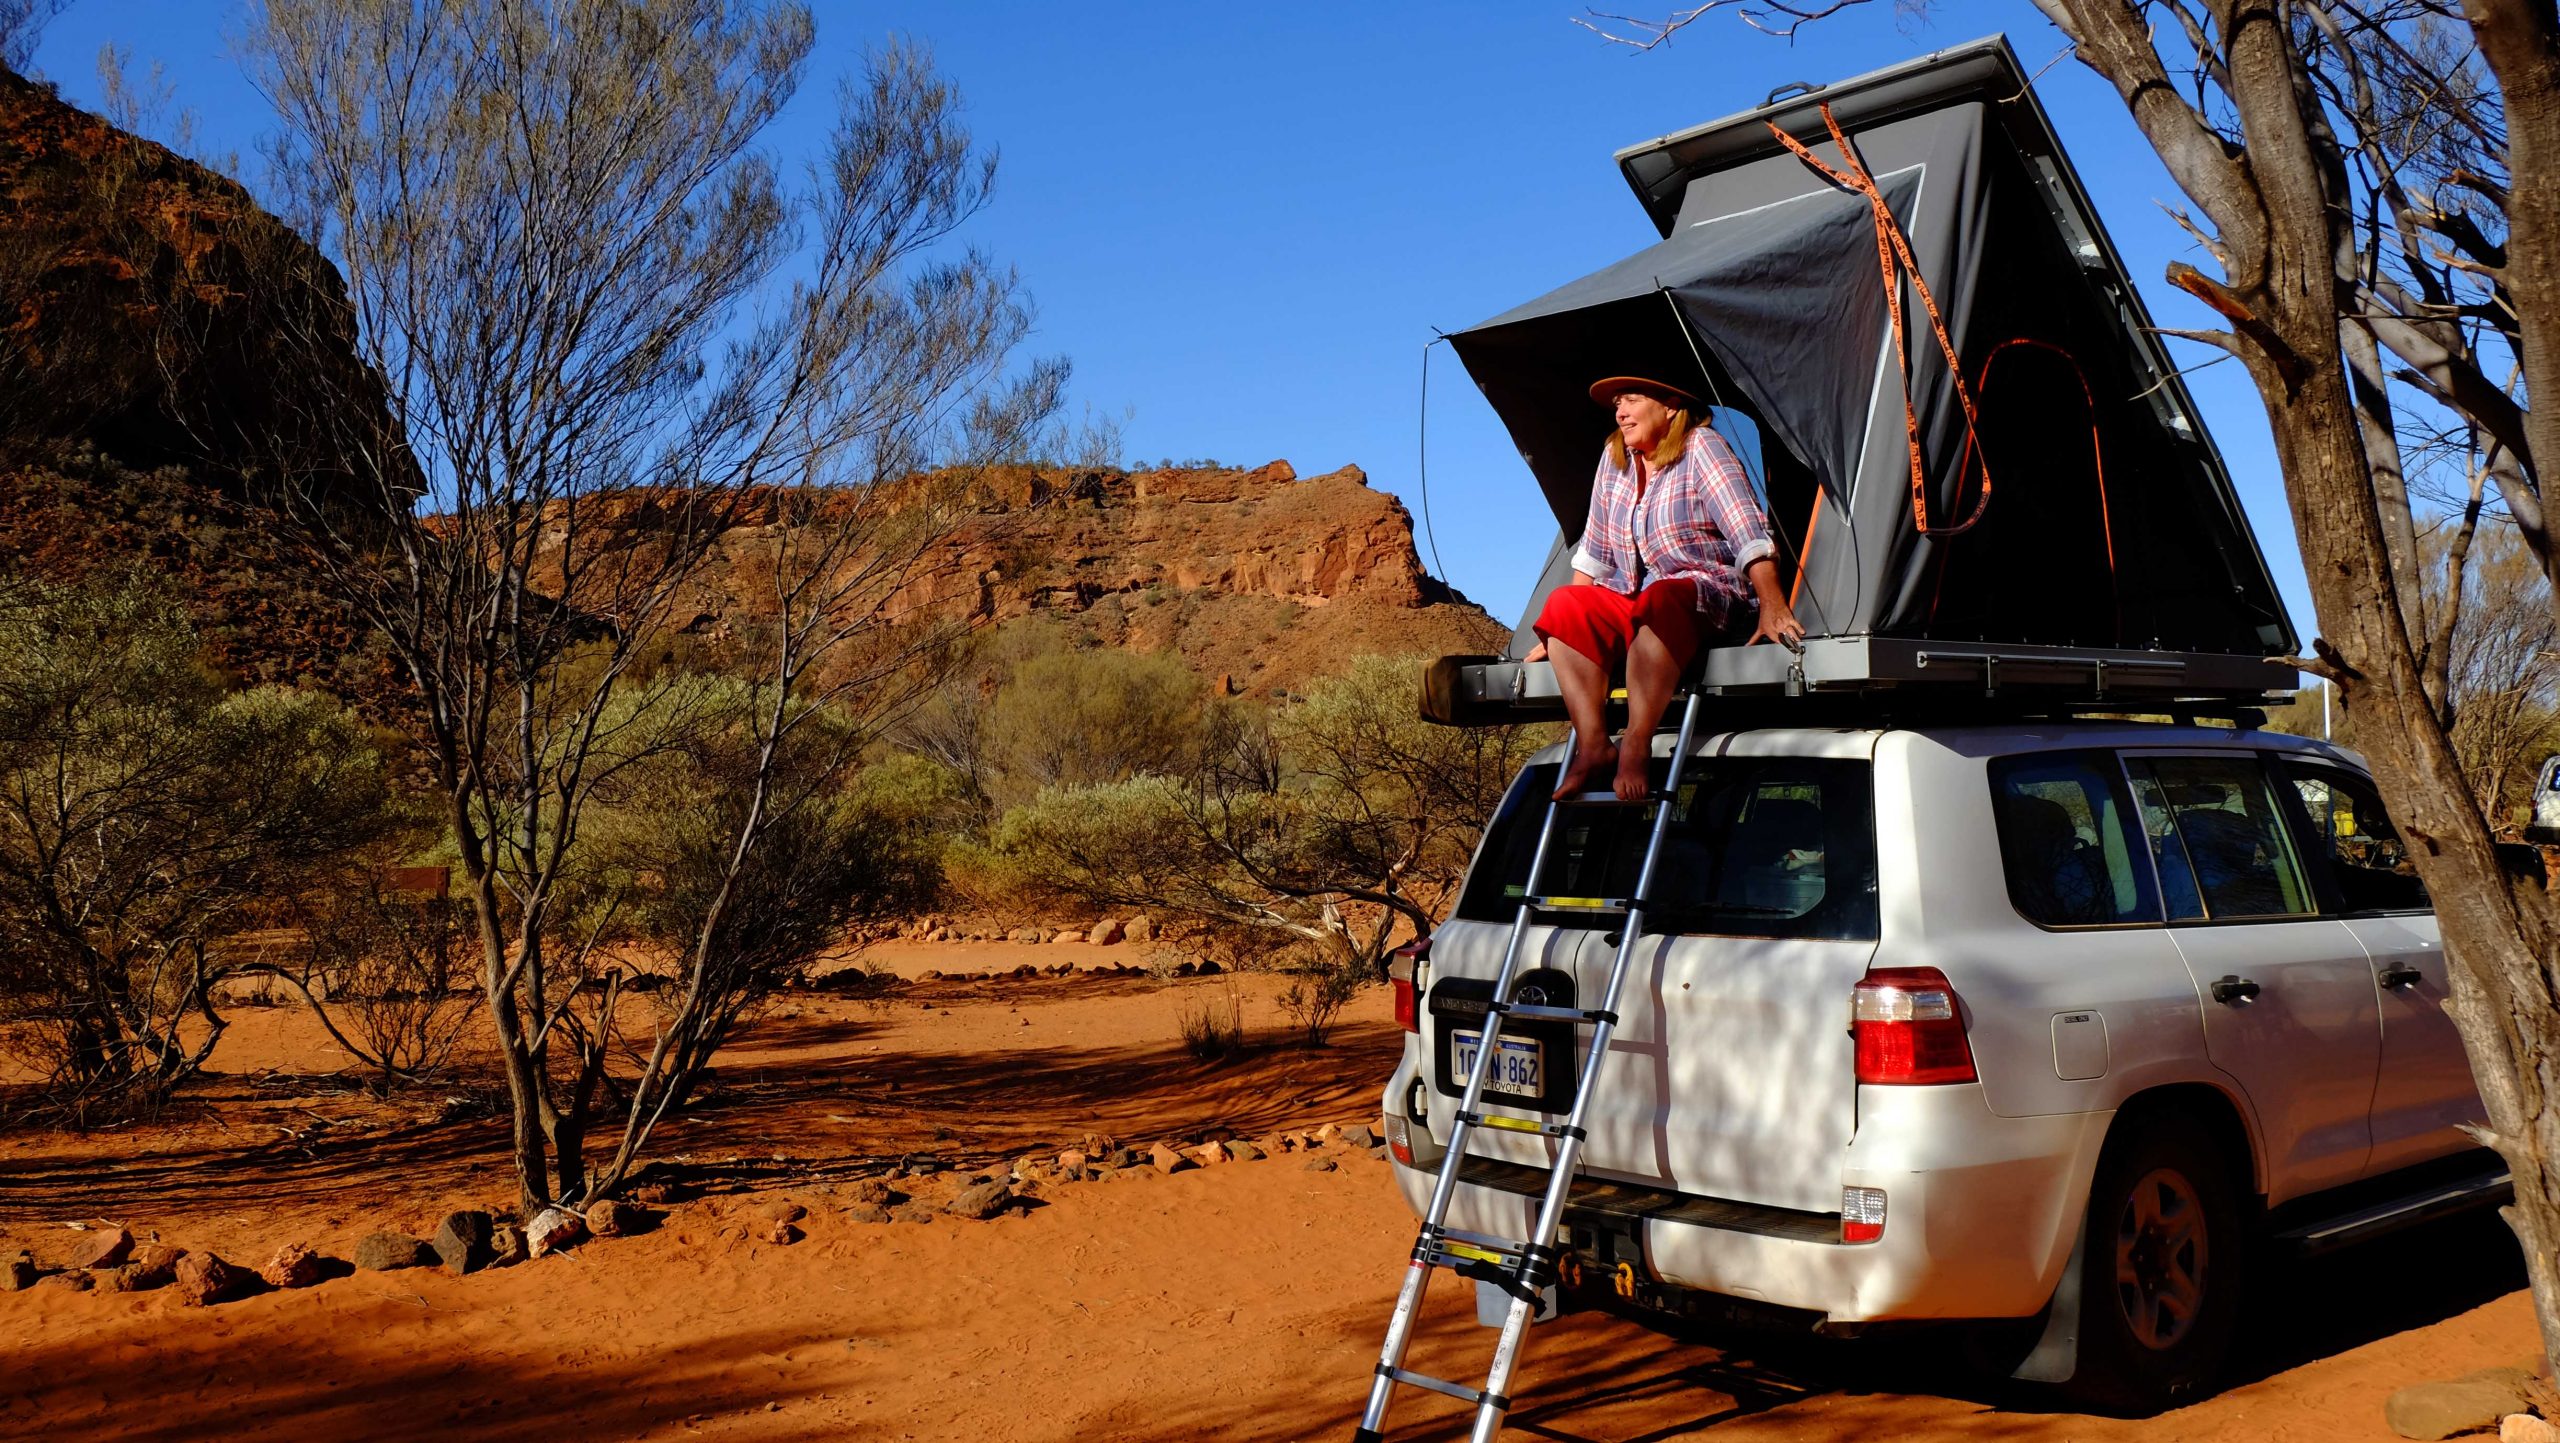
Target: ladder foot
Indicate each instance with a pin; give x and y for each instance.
(1366, 1435)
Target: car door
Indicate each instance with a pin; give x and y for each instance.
(2424, 1092)
(2290, 1012)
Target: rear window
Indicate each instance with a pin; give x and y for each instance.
(1758, 847)
(2068, 841)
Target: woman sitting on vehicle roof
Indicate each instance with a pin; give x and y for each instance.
(1676, 555)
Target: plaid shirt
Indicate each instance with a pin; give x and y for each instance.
(1696, 518)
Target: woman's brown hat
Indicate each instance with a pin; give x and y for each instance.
(1609, 388)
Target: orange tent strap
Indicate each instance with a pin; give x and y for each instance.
(1894, 261)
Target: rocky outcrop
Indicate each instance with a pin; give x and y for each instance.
(150, 309)
(1259, 579)
(163, 343)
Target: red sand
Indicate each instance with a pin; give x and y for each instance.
(1242, 1301)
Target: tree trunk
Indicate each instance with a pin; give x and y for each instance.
(2494, 937)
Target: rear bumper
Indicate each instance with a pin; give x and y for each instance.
(1981, 1212)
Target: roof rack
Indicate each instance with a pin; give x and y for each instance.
(1879, 677)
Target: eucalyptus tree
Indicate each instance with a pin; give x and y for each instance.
(613, 346)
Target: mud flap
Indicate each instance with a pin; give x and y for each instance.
(2056, 1353)
(1493, 1304)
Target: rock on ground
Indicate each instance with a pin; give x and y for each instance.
(507, 1246)
(2526, 1428)
(462, 1241)
(151, 1265)
(22, 1272)
(611, 1219)
(1169, 1159)
(1106, 932)
(985, 1200)
(389, 1252)
(293, 1266)
(204, 1279)
(2429, 1411)
(552, 1230)
(782, 1210)
(78, 1280)
(1322, 1164)
(104, 1250)
(782, 1233)
(1140, 929)
(863, 1212)
(1359, 1136)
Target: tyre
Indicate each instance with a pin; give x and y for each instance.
(2164, 1268)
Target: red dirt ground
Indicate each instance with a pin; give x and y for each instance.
(1242, 1301)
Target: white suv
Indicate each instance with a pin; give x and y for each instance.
(2057, 1021)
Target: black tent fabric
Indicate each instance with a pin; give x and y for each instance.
(2112, 523)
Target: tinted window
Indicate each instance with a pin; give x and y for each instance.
(2220, 842)
(2356, 841)
(2068, 843)
(1776, 847)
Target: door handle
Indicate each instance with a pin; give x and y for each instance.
(2232, 990)
(2400, 975)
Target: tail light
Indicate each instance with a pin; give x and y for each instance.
(1408, 960)
(1909, 1029)
(1861, 1214)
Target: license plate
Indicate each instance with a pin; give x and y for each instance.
(1516, 1068)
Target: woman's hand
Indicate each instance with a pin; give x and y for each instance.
(1779, 624)
(1538, 652)
(1777, 619)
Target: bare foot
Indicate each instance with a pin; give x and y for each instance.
(1635, 771)
(1587, 761)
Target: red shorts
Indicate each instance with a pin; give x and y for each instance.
(1601, 624)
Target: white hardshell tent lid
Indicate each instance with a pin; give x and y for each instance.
(2112, 556)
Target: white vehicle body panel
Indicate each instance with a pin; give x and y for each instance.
(1732, 1075)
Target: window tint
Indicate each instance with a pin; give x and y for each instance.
(2221, 844)
(1776, 847)
(2356, 841)
(2068, 843)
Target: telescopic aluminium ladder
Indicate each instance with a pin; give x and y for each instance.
(1524, 1267)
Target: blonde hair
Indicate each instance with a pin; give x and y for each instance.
(1675, 437)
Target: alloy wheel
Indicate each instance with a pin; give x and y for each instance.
(2161, 1258)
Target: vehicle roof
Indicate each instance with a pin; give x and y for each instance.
(2002, 738)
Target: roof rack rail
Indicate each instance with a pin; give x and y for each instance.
(1864, 680)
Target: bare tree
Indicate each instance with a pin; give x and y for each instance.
(21, 23)
(2503, 672)
(616, 341)
(2375, 180)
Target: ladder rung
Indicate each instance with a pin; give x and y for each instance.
(1521, 1124)
(1451, 1255)
(1459, 1391)
(1609, 799)
(1580, 904)
(1556, 1014)
(1482, 1240)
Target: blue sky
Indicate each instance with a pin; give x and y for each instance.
(1244, 222)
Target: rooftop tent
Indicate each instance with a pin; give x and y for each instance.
(2111, 531)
